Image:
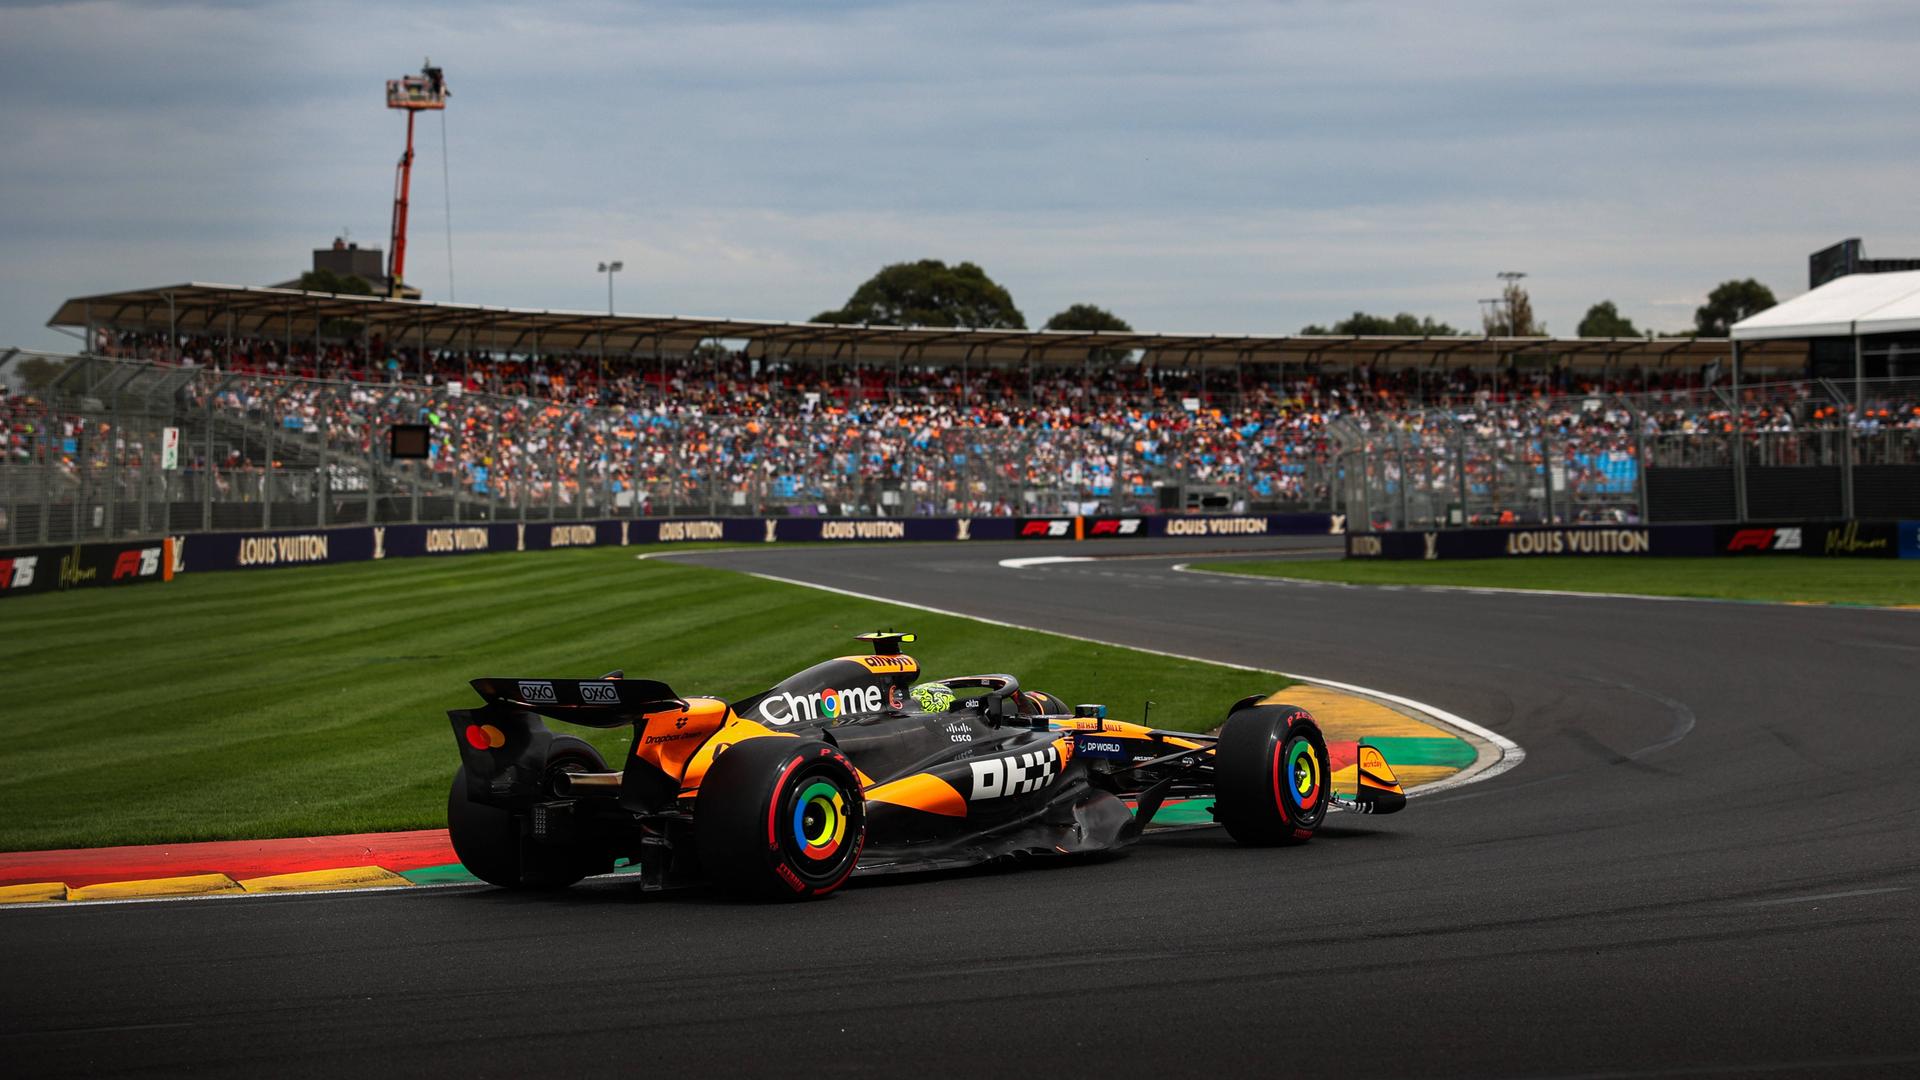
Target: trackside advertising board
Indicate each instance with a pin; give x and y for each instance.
(46, 569)
(258, 550)
(1835, 539)
(1850, 539)
(51, 569)
(1545, 541)
(1113, 527)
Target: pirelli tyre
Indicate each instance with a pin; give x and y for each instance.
(491, 841)
(1271, 775)
(780, 818)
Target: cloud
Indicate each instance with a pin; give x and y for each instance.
(1207, 166)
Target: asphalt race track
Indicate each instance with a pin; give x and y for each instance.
(1709, 864)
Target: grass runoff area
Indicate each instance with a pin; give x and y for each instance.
(1879, 582)
(313, 701)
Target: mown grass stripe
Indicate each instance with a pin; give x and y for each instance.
(1773, 578)
(312, 700)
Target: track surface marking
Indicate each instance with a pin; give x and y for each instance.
(1643, 897)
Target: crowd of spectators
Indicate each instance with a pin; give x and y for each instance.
(722, 432)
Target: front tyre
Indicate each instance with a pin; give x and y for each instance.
(491, 840)
(780, 818)
(1271, 775)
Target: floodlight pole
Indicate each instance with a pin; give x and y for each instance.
(1490, 309)
(610, 269)
(1512, 278)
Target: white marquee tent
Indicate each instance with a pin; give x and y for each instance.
(1851, 306)
(1854, 307)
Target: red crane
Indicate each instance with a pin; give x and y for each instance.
(413, 93)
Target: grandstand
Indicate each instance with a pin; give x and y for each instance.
(567, 415)
(337, 335)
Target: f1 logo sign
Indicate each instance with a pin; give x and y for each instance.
(18, 573)
(1116, 527)
(1053, 528)
(136, 562)
(1783, 539)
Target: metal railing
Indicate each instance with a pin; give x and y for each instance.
(82, 458)
(1780, 450)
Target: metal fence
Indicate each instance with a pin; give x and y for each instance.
(1769, 452)
(84, 459)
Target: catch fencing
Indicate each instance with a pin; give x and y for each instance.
(108, 449)
(1771, 452)
(86, 457)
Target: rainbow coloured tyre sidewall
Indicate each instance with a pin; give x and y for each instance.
(816, 824)
(820, 821)
(1300, 781)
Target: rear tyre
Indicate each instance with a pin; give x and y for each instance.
(1271, 775)
(780, 818)
(489, 839)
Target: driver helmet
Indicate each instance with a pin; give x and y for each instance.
(933, 697)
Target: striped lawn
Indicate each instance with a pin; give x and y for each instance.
(312, 701)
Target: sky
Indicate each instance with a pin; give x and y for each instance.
(1224, 167)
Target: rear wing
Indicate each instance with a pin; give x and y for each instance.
(605, 702)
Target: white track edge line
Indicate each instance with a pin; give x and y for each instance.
(1501, 590)
(1043, 560)
(1511, 753)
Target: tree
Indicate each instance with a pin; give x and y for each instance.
(1728, 304)
(329, 282)
(1401, 325)
(1087, 318)
(1513, 315)
(36, 372)
(929, 293)
(1092, 318)
(1605, 320)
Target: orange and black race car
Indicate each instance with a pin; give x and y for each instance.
(859, 765)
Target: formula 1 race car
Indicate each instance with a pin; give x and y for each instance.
(854, 766)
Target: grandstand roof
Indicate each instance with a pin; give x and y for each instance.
(1886, 303)
(250, 311)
